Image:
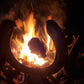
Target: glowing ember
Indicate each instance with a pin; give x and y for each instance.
(20, 48)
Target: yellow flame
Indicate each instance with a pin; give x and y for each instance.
(27, 37)
(25, 52)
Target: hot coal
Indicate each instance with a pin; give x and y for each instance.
(36, 46)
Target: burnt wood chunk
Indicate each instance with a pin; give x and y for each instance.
(6, 28)
(36, 46)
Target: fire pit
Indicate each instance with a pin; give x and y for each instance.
(30, 48)
(52, 43)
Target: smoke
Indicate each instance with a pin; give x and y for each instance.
(57, 9)
(41, 8)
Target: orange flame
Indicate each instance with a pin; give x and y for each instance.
(25, 52)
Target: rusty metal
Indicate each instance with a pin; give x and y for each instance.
(61, 49)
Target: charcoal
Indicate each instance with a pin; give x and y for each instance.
(36, 46)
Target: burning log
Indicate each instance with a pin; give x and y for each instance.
(60, 43)
(37, 47)
(6, 28)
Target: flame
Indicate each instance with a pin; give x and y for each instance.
(25, 52)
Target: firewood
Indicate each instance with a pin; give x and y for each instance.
(37, 47)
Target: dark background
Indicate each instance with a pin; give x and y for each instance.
(74, 22)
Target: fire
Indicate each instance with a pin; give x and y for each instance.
(25, 56)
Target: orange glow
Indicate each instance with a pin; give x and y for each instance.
(25, 56)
